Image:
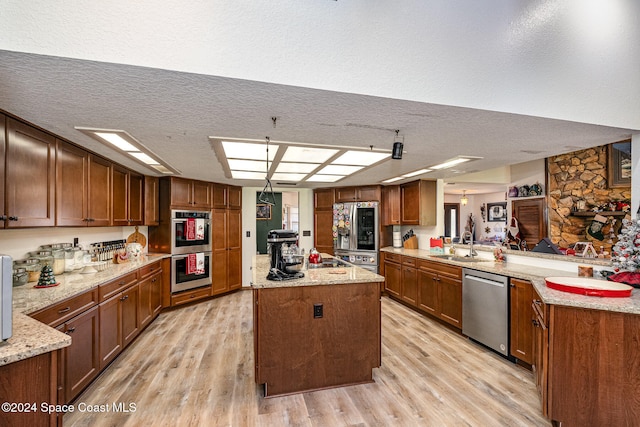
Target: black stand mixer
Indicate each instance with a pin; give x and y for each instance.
(281, 266)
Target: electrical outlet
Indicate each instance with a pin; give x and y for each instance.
(317, 311)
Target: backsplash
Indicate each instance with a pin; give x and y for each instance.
(18, 242)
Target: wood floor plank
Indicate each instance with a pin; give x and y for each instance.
(195, 367)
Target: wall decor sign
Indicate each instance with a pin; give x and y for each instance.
(263, 211)
(619, 164)
(497, 212)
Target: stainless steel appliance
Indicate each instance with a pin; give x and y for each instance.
(6, 302)
(182, 279)
(485, 309)
(190, 231)
(282, 261)
(356, 231)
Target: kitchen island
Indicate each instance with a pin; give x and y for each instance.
(319, 331)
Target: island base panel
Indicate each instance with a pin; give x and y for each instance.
(296, 352)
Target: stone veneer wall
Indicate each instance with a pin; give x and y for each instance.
(580, 175)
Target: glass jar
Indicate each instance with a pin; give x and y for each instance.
(32, 266)
(78, 254)
(58, 251)
(45, 257)
(20, 276)
(69, 260)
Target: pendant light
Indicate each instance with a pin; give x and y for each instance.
(464, 199)
(397, 147)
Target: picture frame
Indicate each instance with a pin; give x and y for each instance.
(263, 211)
(497, 212)
(619, 164)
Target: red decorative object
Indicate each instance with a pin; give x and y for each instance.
(628, 277)
(589, 287)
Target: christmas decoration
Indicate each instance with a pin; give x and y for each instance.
(595, 228)
(626, 253)
(47, 279)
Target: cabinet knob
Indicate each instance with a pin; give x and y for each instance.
(535, 323)
(126, 297)
(154, 280)
(3, 217)
(537, 302)
(13, 218)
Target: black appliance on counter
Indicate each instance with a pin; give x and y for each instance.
(282, 265)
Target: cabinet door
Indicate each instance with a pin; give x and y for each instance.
(409, 285)
(72, 178)
(156, 293)
(2, 156)
(428, 291)
(391, 205)
(81, 360)
(201, 194)
(393, 278)
(219, 197)
(120, 195)
(110, 330)
(450, 296)
(151, 201)
(219, 253)
(368, 193)
(346, 194)
(145, 311)
(99, 187)
(234, 248)
(234, 197)
(135, 199)
(180, 192)
(410, 200)
(130, 323)
(30, 176)
(323, 199)
(522, 329)
(322, 234)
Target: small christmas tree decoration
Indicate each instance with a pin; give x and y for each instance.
(47, 279)
(625, 254)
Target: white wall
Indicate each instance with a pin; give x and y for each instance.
(18, 242)
(305, 205)
(572, 59)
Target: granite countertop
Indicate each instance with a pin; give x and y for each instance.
(536, 275)
(312, 276)
(31, 337)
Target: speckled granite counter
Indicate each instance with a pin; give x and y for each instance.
(312, 276)
(30, 337)
(536, 275)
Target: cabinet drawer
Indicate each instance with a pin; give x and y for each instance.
(57, 314)
(441, 268)
(109, 289)
(391, 257)
(408, 261)
(149, 269)
(190, 296)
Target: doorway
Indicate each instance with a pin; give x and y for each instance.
(283, 215)
(452, 220)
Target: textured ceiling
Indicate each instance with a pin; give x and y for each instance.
(173, 113)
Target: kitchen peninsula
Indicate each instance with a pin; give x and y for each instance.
(319, 331)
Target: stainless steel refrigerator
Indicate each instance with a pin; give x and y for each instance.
(356, 233)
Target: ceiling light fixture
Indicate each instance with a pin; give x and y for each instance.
(464, 199)
(397, 146)
(453, 162)
(131, 147)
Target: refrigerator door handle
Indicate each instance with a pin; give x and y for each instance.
(353, 236)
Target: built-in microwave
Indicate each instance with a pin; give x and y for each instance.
(183, 279)
(190, 231)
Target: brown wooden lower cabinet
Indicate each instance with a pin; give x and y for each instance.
(33, 381)
(150, 295)
(110, 330)
(393, 277)
(79, 363)
(522, 328)
(190, 296)
(587, 365)
(440, 291)
(409, 288)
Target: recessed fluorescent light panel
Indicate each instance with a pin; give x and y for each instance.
(416, 173)
(443, 165)
(128, 145)
(291, 161)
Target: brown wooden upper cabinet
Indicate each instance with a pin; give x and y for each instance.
(418, 203)
(189, 194)
(83, 187)
(323, 199)
(391, 205)
(151, 200)
(127, 197)
(226, 196)
(368, 193)
(29, 176)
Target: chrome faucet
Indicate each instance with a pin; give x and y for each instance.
(472, 253)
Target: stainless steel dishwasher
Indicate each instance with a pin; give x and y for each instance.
(485, 309)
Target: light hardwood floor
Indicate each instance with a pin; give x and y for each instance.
(194, 367)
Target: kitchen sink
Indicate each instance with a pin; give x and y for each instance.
(459, 258)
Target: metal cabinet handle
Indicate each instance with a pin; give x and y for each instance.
(64, 310)
(537, 302)
(3, 217)
(13, 218)
(155, 279)
(124, 298)
(70, 330)
(535, 323)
